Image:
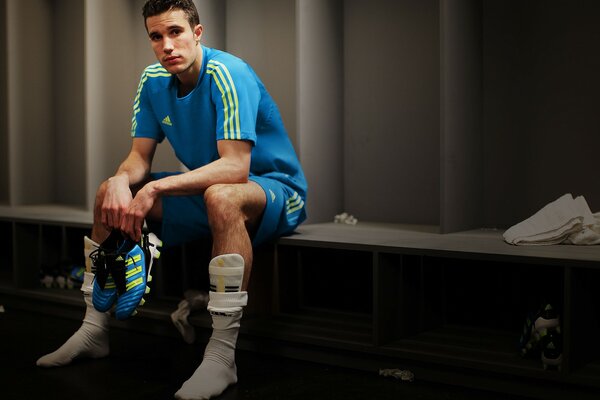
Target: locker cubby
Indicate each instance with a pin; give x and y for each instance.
(72, 247)
(27, 255)
(314, 278)
(51, 242)
(6, 255)
(326, 294)
(180, 268)
(466, 308)
(585, 322)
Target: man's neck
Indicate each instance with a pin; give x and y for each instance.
(189, 78)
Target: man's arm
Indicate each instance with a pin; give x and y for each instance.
(134, 170)
(233, 166)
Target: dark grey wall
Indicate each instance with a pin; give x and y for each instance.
(68, 80)
(4, 171)
(319, 110)
(461, 117)
(541, 119)
(391, 111)
(32, 168)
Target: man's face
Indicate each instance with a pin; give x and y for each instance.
(174, 42)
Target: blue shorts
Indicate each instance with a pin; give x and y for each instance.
(184, 217)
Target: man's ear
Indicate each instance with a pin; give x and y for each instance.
(198, 32)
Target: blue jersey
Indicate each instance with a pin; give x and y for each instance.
(229, 102)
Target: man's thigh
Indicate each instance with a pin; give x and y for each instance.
(184, 218)
(181, 218)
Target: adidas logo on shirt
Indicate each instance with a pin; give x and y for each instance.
(167, 121)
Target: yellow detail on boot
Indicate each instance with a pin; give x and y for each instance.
(132, 272)
(134, 283)
(133, 259)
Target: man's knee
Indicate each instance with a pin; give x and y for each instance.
(230, 202)
(222, 200)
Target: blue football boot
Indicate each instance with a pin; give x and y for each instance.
(132, 276)
(104, 257)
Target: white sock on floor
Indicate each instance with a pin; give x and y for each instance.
(180, 320)
(91, 340)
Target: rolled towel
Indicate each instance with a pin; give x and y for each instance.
(588, 235)
(553, 224)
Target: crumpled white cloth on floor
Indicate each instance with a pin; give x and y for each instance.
(566, 220)
(194, 300)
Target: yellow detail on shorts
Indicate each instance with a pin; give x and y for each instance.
(294, 203)
(167, 121)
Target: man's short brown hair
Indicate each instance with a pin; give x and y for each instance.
(157, 7)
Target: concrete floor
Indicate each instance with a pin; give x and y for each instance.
(143, 366)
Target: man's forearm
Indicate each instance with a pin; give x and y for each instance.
(134, 170)
(233, 166)
(197, 181)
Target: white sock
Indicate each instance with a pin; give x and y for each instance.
(180, 320)
(194, 300)
(91, 340)
(217, 370)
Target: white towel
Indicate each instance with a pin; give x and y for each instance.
(563, 220)
(588, 235)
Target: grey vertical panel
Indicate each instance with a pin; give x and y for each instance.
(111, 82)
(68, 103)
(319, 107)
(4, 172)
(391, 110)
(460, 112)
(212, 17)
(541, 118)
(142, 49)
(29, 98)
(262, 32)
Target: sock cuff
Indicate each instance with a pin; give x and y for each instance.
(88, 282)
(88, 246)
(227, 300)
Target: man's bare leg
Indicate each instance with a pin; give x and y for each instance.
(91, 339)
(233, 210)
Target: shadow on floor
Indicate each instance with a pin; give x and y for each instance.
(149, 367)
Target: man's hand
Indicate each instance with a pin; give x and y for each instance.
(133, 218)
(117, 197)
